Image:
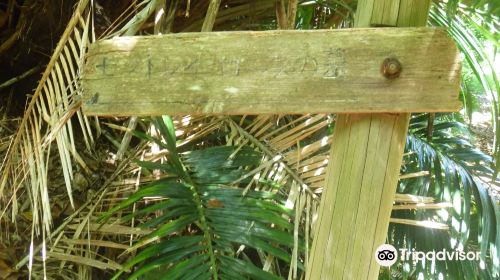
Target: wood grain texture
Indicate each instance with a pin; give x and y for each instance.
(363, 172)
(359, 190)
(292, 72)
(385, 13)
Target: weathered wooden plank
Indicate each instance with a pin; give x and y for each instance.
(272, 72)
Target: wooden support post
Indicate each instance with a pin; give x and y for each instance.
(365, 160)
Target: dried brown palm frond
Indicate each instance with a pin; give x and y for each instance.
(282, 140)
(297, 153)
(46, 119)
(49, 118)
(80, 225)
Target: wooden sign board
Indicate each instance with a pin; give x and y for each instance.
(293, 72)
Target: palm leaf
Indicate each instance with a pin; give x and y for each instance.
(46, 119)
(462, 26)
(218, 216)
(455, 167)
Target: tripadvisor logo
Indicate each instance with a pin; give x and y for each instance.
(387, 255)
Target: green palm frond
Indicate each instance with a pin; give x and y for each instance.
(468, 27)
(204, 219)
(456, 168)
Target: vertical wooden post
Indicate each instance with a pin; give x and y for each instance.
(363, 172)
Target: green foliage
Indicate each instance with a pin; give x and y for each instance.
(473, 30)
(200, 219)
(455, 166)
(458, 170)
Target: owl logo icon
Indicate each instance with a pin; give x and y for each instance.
(386, 255)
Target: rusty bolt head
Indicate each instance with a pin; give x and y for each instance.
(391, 68)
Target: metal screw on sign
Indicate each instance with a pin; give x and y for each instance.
(391, 68)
